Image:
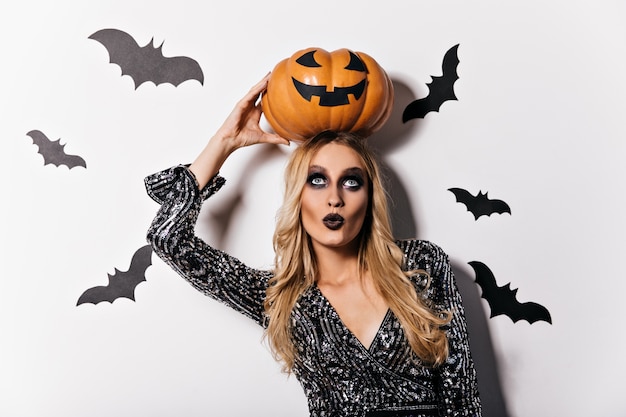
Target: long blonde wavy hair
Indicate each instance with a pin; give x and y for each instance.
(296, 266)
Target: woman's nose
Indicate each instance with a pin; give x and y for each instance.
(335, 200)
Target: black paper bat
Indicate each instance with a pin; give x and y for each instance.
(440, 89)
(53, 152)
(503, 300)
(480, 204)
(146, 63)
(121, 284)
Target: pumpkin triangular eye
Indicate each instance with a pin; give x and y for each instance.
(355, 63)
(308, 60)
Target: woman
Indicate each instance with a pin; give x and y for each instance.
(369, 326)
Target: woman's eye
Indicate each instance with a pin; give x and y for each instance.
(352, 183)
(317, 180)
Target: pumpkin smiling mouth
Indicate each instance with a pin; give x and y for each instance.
(338, 97)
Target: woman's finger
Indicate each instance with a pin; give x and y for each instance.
(258, 88)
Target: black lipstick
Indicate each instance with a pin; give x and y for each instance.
(333, 221)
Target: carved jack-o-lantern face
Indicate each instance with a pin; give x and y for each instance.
(316, 90)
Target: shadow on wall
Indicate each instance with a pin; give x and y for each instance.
(221, 218)
(489, 384)
(394, 135)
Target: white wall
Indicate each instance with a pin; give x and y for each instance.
(538, 123)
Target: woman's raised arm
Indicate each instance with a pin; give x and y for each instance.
(241, 128)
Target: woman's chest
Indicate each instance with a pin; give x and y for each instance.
(323, 341)
(357, 305)
(330, 357)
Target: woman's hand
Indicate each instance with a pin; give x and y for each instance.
(241, 128)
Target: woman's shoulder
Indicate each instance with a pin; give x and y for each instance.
(418, 254)
(431, 258)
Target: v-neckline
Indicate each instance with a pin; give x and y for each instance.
(347, 329)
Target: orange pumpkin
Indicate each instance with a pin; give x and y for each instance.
(315, 90)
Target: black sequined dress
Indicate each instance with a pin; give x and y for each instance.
(340, 377)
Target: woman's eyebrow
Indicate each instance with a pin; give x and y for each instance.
(354, 171)
(347, 171)
(317, 168)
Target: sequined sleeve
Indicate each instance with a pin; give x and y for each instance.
(173, 239)
(456, 381)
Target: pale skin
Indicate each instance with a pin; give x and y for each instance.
(338, 184)
(334, 190)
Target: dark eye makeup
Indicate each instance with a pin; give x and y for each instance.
(352, 180)
(317, 180)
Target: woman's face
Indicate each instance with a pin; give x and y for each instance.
(335, 198)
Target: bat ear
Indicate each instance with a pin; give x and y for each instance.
(160, 47)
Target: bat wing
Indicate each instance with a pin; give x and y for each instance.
(532, 312)
(466, 198)
(121, 284)
(176, 70)
(146, 63)
(503, 300)
(123, 50)
(498, 206)
(96, 295)
(53, 152)
(495, 296)
(440, 89)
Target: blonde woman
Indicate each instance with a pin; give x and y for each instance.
(369, 326)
